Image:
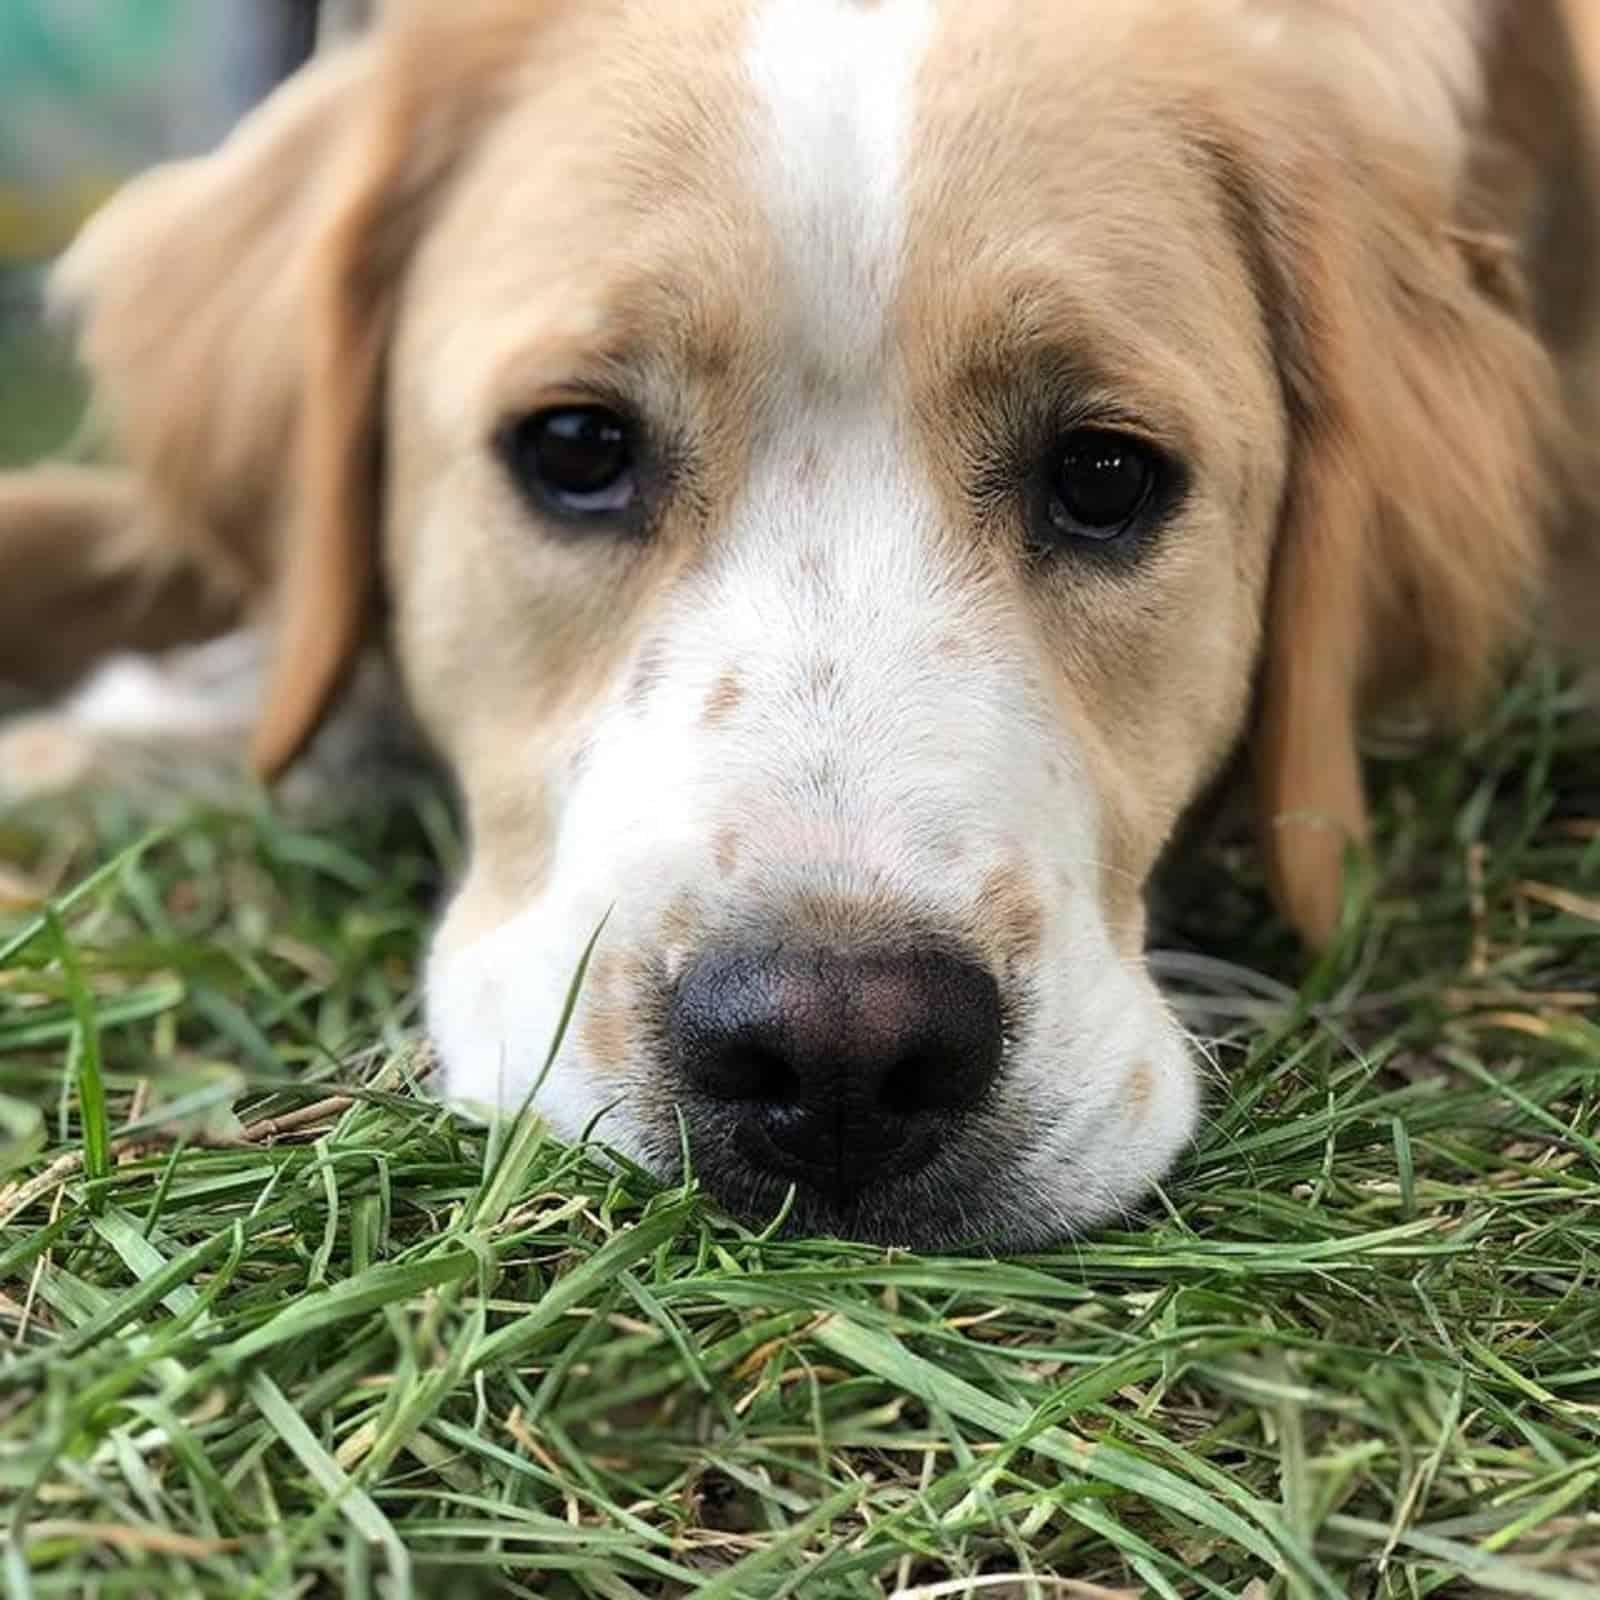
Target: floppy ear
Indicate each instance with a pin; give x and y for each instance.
(200, 292)
(235, 316)
(1425, 417)
(191, 291)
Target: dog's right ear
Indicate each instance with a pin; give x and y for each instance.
(199, 292)
(235, 314)
(191, 291)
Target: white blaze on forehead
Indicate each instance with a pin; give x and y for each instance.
(836, 84)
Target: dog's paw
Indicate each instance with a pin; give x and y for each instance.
(171, 730)
(43, 755)
(154, 729)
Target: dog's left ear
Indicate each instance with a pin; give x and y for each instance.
(1410, 334)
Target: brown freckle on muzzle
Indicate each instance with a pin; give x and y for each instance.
(606, 1031)
(726, 696)
(1011, 914)
(1141, 1090)
(725, 850)
(606, 1024)
(605, 974)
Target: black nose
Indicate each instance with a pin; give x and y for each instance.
(837, 1070)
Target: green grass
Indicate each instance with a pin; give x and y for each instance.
(41, 395)
(274, 1324)
(271, 1323)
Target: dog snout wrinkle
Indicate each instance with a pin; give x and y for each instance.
(835, 1070)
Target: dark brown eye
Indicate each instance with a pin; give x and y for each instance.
(577, 460)
(1103, 481)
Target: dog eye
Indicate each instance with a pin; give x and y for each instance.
(576, 460)
(1102, 482)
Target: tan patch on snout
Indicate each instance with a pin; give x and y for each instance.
(1140, 1091)
(725, 851)
(610, 998)
(612, 1008)
(607, 1032)
(681, 922)
(726, 696)
(1011, 914)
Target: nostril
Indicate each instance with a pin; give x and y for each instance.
(765, 1078)
(744, 1073)
(935, 1080)
(910, 1087)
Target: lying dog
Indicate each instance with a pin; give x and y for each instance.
(839, 479)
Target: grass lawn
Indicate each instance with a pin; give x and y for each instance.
(272, 1324)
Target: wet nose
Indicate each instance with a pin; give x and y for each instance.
(836, 1069)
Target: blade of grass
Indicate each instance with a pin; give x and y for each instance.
(882, 1354)
(92, 1114)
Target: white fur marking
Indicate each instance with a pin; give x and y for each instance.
(211, 690)
(836, 81)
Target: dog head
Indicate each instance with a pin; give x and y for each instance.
(843, 476)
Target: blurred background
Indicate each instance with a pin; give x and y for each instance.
(91, 91)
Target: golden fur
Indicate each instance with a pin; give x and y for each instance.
(1428, 430)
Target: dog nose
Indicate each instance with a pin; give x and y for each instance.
(837, 1070)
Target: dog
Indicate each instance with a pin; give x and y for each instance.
(837, 482)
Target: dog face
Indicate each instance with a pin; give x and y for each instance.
(919, 590)
(851, 475)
